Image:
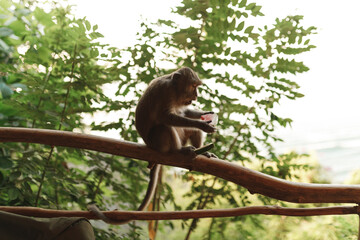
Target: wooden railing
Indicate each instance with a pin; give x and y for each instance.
(254, 181)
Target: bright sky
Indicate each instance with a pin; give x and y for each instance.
(331, 86)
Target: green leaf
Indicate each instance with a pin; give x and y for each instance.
(95, 35)
(298, 95)
(249, 29)
(242, 3)
(44, 54)
(232, 25)
(250, 6)
(5, 162)
(227, 51)
(27, 188)
(94, 52)
(18, 27)
(2, 178)
(300, 39)
(240, 26)
(4, 47)
(256, 10)
(13, 193)
(19, 12)
(273, 117)
(6, 92)
(43, 17)
(5, 31)
(88, 25)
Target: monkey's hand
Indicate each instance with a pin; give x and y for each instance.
(206, 127)
(190, 113)
(206, 113)
(209, 155)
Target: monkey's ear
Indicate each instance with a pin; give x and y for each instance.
(176, 76)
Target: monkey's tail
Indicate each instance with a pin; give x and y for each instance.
(154, 177)
(150, 191)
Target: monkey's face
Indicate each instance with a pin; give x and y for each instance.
(190, 93)
(186, 83)
(187, 90)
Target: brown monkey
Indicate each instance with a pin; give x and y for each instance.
(162, 117)
(166, 124)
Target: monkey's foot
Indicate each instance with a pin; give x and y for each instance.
(189, 151)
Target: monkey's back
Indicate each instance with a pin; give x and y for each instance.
(152, 103)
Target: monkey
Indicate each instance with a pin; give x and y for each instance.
(162, 116)
(166, 124)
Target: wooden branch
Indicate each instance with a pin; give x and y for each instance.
(166, 215)
(254, 181)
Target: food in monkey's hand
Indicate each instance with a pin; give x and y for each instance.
(212, 118)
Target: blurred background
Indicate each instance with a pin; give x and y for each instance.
(326, 122)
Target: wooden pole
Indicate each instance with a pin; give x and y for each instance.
(174, 215)
(254, 181)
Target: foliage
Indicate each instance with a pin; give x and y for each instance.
(53, 70)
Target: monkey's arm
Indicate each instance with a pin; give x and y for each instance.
(179, 121)
(190, 113)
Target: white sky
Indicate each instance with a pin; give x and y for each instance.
(331, 86)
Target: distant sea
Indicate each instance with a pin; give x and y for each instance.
(336, 148)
